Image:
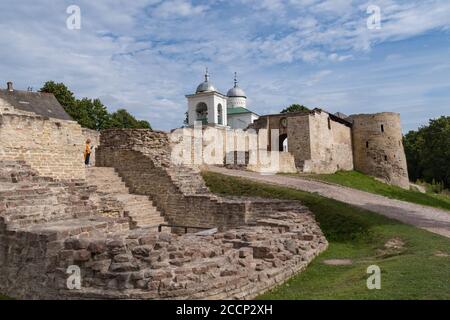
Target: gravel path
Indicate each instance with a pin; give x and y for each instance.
(431, 219)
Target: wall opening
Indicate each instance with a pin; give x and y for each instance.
(385, 158)
(367, 144)
(329, 123)
(382, 128)
(219, 114)
(202, 112)
(283, 143)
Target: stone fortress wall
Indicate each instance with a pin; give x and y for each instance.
(143, 159)
(378, 147)
(51, 218)
(330, 145)
(324, 143)
(48, 224)
(319, 144)
(53, 147)
(217, 141)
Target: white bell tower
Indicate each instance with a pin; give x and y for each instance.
(207, 105)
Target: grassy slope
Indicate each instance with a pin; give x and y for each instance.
(412, 273)
(360, 181)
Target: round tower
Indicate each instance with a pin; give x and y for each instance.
(378, 147)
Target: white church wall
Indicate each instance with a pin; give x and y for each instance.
(223, 102)
(234, 102)
(241, 121)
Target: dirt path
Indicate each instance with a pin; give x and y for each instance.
(431, 219)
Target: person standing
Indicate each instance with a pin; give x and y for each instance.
(87, 153)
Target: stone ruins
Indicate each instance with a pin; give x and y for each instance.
(134, 226)
(138, 226)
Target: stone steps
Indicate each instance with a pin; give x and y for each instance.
(138, 208)
(27, 199)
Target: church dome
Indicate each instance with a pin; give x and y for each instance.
(236, 92)
(205, 86)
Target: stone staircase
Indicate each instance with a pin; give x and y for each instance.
(110, 187)
(27, 199)
(188, 180)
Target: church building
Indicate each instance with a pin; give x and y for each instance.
(213, 108)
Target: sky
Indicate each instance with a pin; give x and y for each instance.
(146, 55)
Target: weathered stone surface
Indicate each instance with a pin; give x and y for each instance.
(259, 242)
(81, 255)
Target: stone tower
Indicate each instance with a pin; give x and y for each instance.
(378, 147)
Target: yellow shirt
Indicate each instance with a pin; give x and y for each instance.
(87, 150)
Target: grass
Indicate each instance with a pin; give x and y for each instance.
(420, 270)
(356, 180)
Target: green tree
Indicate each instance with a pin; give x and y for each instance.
(92, 113)
(144, 124)
(295, 108)
(428, 152)
(98, 115)
(64, 96)
(84, 113)
(122, 119)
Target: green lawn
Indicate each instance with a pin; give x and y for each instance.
(356, 180)
(419, 270)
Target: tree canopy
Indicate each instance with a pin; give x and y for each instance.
(295, 108)
(92, 113)
(428, 152)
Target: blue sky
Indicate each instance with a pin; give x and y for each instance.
(145, 55)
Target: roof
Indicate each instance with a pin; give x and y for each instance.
(40, 103)
(205, 87)
(341, 115)
(238, 110)
(236, 92)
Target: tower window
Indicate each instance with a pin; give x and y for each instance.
(382, 128)
(329, 124)
(367, 144)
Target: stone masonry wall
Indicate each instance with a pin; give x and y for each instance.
(281, 239)
(378, 147)
(52, 147)
(177, 191)
(299, 142)
(318, 143)
(331, 145)
(236, 264)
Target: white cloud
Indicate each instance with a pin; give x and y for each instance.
(175, 8)
(145, 55)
